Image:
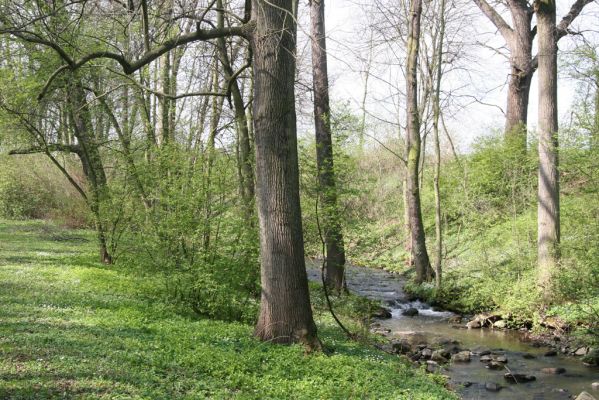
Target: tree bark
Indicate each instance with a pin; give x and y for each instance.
(519, 42)
(419, 252)
(285, 312)
(333, 236)
(548, 194)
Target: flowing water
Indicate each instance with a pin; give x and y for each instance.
(432, 326)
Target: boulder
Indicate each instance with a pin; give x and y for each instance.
(595, 385)
(550, 353)
(492, 387)
(528, 356)
(455, 319)
(592, 358)
(495, 365)
(432, 367)
(500, 359)
(440, 356)
(518, 378)
(584, 396)
(427, 353)
(582, 351)
(410, 312)
(501, 324)
(401, 347)
(486, 359)
(553, 371)
(474, 324)
(381, 313)
(485, 353)
(462, 356)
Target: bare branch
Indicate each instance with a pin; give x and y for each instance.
(497, 20)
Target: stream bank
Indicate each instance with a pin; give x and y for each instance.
(480, 363)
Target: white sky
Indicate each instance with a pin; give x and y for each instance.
(346, 37)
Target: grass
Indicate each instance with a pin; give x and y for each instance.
(73, 328)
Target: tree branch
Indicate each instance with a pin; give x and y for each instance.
(50, 147)
(503, 27)
(562, 27)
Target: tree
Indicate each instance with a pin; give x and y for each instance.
(285, 313)
(437, 174)
(333, 237)
(270, 27)
(419, 251)
(519, 39)
(548, 196)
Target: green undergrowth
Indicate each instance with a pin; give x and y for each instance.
(73, 328)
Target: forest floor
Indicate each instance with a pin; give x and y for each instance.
(71, 327)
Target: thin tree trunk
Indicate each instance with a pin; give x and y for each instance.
(333, 236)
(164, 103)
(285, 312)
(548, 196)
(437, 168)
(91, 160)
(245, 161)
(365, 93)
(419, 252)
(595, 133)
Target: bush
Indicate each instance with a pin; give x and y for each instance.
(32, 188)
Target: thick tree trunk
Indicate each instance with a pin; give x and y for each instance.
(285, 312)
(548, 196)
(419, 252)
(333, 236)
(519, 42)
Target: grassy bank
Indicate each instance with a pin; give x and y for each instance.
(72, 328)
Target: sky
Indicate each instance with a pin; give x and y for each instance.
(487, 80)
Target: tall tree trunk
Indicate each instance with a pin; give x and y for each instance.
(519, 42)
(91, 160)
(437, 168)
(333, 236)
(419, 252)
(548, 196)
(595, 133)
(246, 168)
(285, 312)
(164, 103)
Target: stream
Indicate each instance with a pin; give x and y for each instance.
(471, 378)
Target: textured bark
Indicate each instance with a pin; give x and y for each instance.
(519, 42)
(419, 252)
(285, 312)
(548, 195)
(333, 236)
